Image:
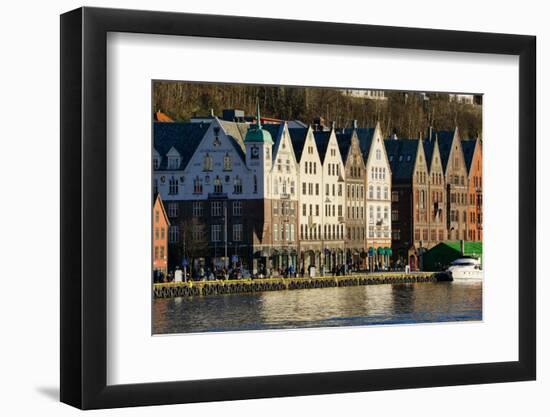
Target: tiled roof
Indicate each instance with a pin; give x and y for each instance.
(298, 137)
(402, 155)
(184, 137)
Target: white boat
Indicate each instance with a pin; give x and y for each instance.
(465, 268)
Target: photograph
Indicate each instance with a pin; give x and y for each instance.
(291, 207)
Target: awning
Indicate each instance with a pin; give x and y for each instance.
(387, 251)
(371, 251)
(380, 250)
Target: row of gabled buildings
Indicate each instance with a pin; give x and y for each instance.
(268, 194)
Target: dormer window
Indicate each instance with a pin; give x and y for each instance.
(207, 163)
(173, 162)
(227, 163)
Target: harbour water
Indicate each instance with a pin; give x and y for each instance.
(323, 307)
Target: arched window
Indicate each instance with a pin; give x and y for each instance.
(371, 192)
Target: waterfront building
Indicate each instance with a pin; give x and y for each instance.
(310, 191)
(436, 194)
(410, 212)
(160, 239)
(354, 164)
(333, 197)
(456, 182)
(473, 157)
(378, 182)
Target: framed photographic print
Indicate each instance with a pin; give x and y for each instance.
(257, 208)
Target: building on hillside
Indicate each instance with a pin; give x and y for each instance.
(368, 94)
(161, 223)
(474, 163)
(378, 183)
(354, 165)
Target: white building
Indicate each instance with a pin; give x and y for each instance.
(378, 197)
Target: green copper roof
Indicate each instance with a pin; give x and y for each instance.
(256, 133)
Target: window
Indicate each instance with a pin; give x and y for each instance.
(216, 208)
(304, 188)
(304, 210)
(237, 185)
(292, 187)
(378, 212)
(275, 232)
(316, 209)
(207, 163)
(378, 193)
(237, 208)
(218, 187)
(340, 190)
(386, 211)
(317, 189)
(155, 186)
(255, 184)
(227, 163)
(173, 186)
(385, 193)
(173, 234)
(197, 209)
(292, 232)
(237, 232)
(327, 189)
(156, 233)
(173, 162)
(156, 252)
(371, 192)
(197, 232)
(216, 233)
(157, 216)
(394, 215)
(197, 186)
(156, 163)
(172, 209)
(378, 154)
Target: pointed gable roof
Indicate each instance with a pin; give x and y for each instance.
(428, 151)
(344, 138)
(445, 140)
(322, 138)
(298, 138)
(365, 135)
(402, 154)
(468, 148)
(184, 137)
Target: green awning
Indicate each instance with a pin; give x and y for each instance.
(380, 250)
(387, 251)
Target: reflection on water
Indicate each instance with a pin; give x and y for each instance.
(324, 307)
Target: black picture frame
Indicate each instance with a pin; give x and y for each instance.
(84, 207)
